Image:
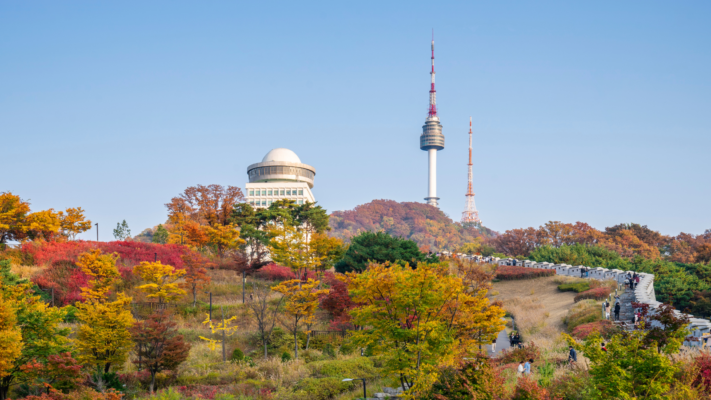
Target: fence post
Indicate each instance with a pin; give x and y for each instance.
(210, 306)
(224, 358)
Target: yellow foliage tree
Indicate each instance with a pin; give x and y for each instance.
(162, 281)
(13, 212)
(101, 268)
(103, 338)
(42, 225)
(73, 222)
(292, 248)
(10, 338)
(301, 304)
(223, 237)
(420, 319)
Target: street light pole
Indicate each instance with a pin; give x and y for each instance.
(365, 396)
(97, 231)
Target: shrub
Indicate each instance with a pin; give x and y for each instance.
(359, 367)
(573, 386)
(508, 272)
(603, 327)
(514, 355)
(576, 287)
(65, 278)
(237, 355)
(273, 272)
(285, 356)
(702, 364)
(599, 293)
(474, 380)
(322, 388)
(583, 312)
(130, 252)
(529, 389)
(70, 315)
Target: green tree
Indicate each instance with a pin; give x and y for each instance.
(161, 235)
(38, 324)
(122, 232)
(629, 369)
(378, 247)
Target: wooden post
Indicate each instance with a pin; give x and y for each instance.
(224, 358)
(210, 306)
(243, 278)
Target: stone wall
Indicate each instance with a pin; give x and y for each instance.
(643, 292)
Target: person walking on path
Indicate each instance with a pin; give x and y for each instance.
(603, 348)
(607, 310)
(527, 367)
(636, 281)
(572, 355)
(617, 311)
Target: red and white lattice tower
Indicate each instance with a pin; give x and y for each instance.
(470, 214)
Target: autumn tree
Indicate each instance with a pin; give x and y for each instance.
(195, 273)
(38, 324)
(265, 313)
(420, 319)
(253, 251)
(60, 372)
(329, 250)
(72, 222)
(42, 225)
(161, 281)
(291, 247)
(13, 212)
(160, 347)
(10, 338)
(103, 338)
(301, 302)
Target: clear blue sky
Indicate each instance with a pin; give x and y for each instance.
(583, 111)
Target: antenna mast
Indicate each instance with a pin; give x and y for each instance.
(470, 214)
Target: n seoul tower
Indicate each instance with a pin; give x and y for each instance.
(432, 139)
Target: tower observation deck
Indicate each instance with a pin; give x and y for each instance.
(432, 139)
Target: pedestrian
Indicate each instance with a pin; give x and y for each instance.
(517, 340)
(521, 369)
(603, 348)
(636, 318)
(527, 367)
(617, 312)
(636, 281)
(607, 310)
(493, 346)
(572, 355)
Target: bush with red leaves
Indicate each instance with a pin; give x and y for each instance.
(337, 302)
(603, 327)
(66, 278)
(702, 363)
(529, 389)
(131, 253)
(599, 293)
(274, 272)
(509, 272)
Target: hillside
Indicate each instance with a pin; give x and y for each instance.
(426, 225)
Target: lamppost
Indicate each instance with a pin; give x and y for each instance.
(97, 231)
(365, 396)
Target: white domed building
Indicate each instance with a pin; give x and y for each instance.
(280, 175)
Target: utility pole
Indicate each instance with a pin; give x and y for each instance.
(97, 231)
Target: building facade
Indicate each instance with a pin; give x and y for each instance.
(280, 175)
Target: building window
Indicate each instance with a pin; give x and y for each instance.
(264, 192)
(269, 202)
(251, 203)
(264, 202)
(257, 193)
(282, 192)
(301, 192)
(269, 193)
(251, 192)
(288, 192)
(301, 202)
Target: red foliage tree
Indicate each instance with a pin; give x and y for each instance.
(65, 278)
(337, 302)
(160, 347)
(61, 372)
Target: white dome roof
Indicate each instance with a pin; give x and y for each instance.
(281, 154)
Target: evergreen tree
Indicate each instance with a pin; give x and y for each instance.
(160, 235)
(379, 247)
(122, 232)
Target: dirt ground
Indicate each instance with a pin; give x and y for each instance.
(555, 303)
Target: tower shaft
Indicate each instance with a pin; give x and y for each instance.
(470, 214)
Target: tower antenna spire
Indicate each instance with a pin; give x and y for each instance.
(470, 214)
(433, 93)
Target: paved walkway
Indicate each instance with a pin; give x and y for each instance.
(502, 343)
